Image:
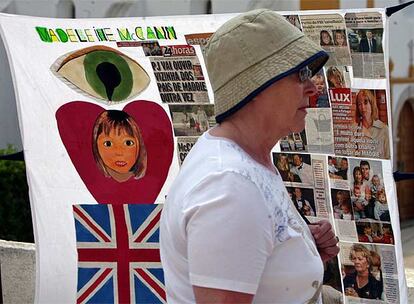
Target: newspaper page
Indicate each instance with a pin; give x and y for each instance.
(360, 123)
(329, 31)
(318, 128)
(178, 72)
(358, 198)
(374, 264)
(184, 145)
(294, 20)
(192, 120)
(365, 38)
(200, 39)
(305, 176)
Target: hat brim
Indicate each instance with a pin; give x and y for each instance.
(243, 88)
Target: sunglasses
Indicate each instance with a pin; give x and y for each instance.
(305, 73)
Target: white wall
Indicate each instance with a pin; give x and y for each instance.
(17, 263)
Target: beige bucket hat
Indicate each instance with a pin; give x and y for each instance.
(252, 51)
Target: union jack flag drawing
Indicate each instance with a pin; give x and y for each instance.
(118, 254)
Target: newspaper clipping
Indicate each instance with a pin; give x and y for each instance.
(294, 20)
(329, 31)
(320, 99)
(184, 145)
(304, 176)
(318, 126)
(200, 39)
(360, 123)
(192, 120)
(365, 38)
(177, 70)
(294, 142)
(359, 200)
(374, 265)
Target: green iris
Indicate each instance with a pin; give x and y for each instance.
(108, 74)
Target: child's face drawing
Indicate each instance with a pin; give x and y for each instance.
(118, 150)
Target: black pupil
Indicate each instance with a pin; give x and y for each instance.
(110, 77)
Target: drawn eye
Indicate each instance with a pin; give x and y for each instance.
(104, 73)
(129, 143)
(107, 143)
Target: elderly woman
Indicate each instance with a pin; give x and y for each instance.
(362, 283)
(229, 231)
(373, 130)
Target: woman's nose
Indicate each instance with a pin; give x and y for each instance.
(310, 88)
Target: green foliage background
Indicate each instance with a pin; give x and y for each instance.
(15, 216)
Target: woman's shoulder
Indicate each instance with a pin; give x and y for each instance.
(379, 124)
(349, 278)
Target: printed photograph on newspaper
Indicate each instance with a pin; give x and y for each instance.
(365, 38)
(329, 31)
(304, 176)
(360, 123)
(369, 273)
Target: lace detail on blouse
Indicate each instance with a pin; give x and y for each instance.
(274, 193)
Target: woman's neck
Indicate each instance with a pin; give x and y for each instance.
(367, 123)
(362, 278)
(363, 274)
(253, 142)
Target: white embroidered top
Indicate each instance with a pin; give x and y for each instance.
(228, 223)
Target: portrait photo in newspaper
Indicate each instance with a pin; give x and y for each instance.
(341, 204)
(294, 142)
(368, 191)
(338, 169)
(329, 32)
(320, 99)
(303, 199)
(184, 145)
(294, 20)
(360, 123)
(294, 167)
(375, 232)
(192, 120)
(338, 77)
(369, 273)
(318, 128)
(365, 38)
